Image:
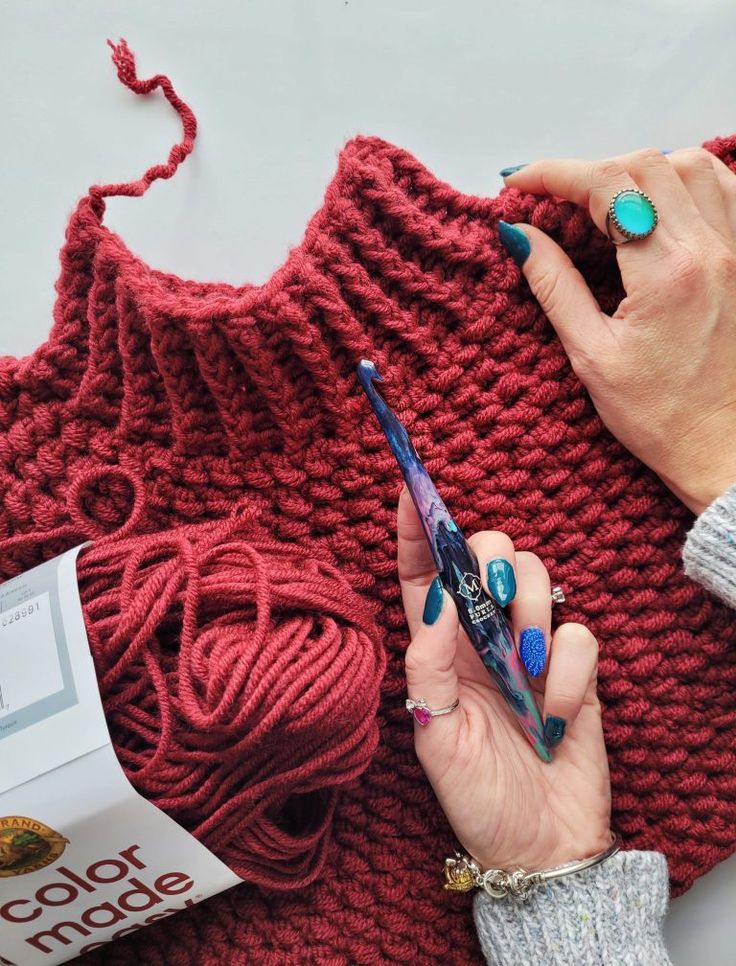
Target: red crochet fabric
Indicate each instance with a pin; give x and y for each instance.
(210, 395)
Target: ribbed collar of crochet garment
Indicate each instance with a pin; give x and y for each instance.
(157, 400)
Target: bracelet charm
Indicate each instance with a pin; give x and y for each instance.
(461, 874)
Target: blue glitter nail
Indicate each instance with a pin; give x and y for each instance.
(533, 650)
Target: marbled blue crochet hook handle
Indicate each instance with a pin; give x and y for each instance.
(483, 621)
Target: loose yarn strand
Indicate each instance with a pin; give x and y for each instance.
(124, 60)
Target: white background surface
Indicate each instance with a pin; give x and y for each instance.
(469, 86)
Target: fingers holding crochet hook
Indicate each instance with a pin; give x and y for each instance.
(483, 621)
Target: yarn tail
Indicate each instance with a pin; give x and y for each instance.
(124, 61)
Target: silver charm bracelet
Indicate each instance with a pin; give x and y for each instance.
(463, 874)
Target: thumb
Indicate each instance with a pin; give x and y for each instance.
(558, 287)
(430, 662)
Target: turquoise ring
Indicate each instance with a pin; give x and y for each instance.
(633, 214)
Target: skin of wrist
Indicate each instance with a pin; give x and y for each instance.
(537, 861)
(697, 495)
(703, 466)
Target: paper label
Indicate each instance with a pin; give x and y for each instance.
(84, 859)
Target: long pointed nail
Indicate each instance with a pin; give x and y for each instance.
(533, 651)
(433, 602)
(505, 172)
(554, 730)
(501, 581)
(514, 241)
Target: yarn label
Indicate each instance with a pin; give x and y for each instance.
(84, 859)
(23, 683)
(50, 708)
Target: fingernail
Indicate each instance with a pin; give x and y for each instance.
(501, 581)
(505, 172)
(667, 151)
(514, 241)
(532, 649)
(554, 730)
(433, 602)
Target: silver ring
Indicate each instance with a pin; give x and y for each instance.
(558, 595)
(423, 714)
(635, 207)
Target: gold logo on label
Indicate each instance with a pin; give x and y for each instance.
(27, 845)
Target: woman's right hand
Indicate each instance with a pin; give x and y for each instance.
(662, 370)
(507, 806)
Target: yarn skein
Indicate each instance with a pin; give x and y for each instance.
(240, 682)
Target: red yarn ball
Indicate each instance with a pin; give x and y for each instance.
(240, 680)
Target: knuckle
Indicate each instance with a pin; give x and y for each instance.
(413, 659)
(695, 160)
(547, 284)
(431, 668)
(647, 157)
(566, 697)
(498, 543)
(604, 174)
(686, 272)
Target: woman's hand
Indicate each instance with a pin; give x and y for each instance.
(507, 807)
(662, 370)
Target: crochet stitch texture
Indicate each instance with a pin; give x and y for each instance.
(159, 401)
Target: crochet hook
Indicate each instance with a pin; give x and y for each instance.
(457, 565)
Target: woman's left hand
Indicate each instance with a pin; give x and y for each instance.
(507, 807)
(661, 371)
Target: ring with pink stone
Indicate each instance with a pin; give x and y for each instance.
(423, 714)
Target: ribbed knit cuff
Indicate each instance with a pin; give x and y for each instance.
(610, 915)
(709, 553)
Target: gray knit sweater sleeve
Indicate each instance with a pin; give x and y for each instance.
(610, 915)
(709, 553)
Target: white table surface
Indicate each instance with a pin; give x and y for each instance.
(469, 86)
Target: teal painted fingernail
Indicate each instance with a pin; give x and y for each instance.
(554, 730)
(434, 601)
(501, 581)
(505, 172)
(533, 650)
(514, 241)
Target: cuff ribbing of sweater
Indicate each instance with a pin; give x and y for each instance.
(609, 914)
(709, 553)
